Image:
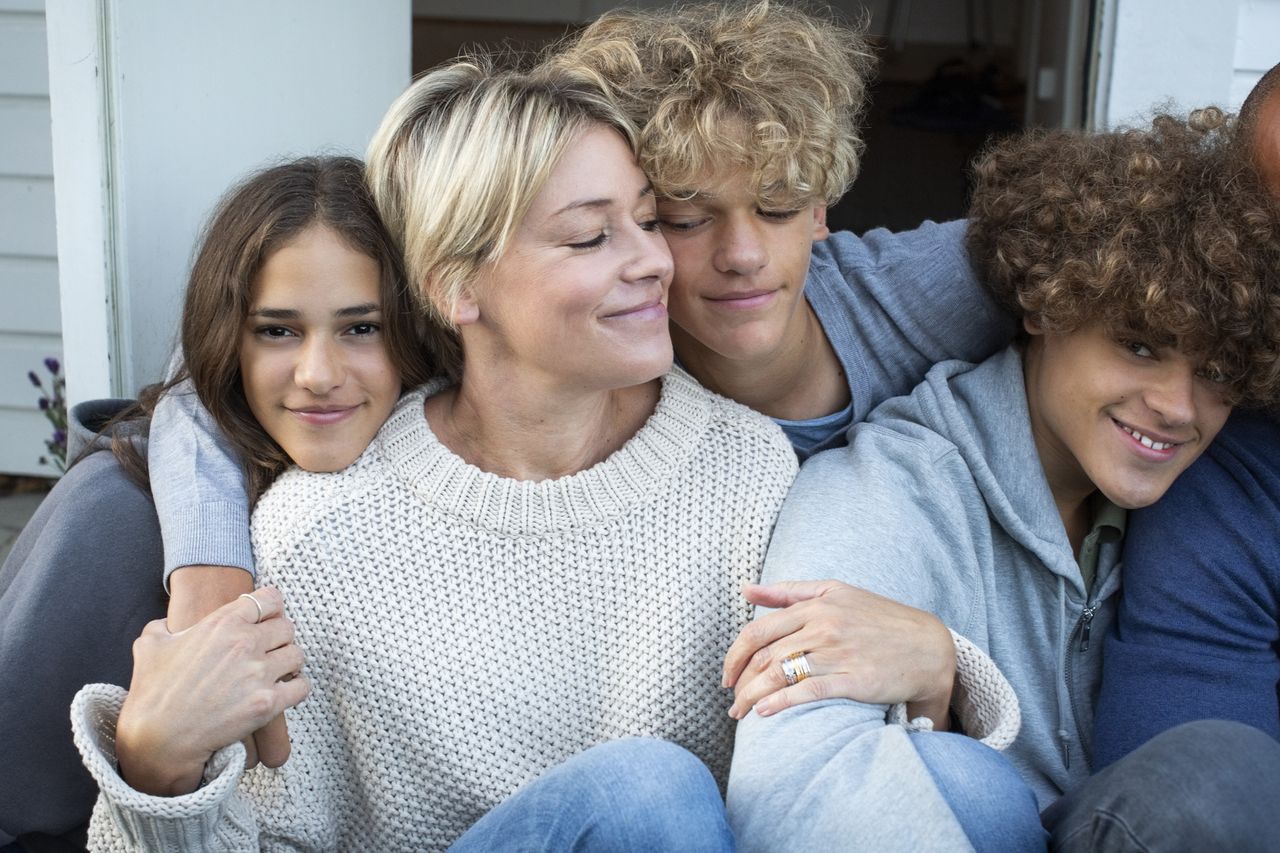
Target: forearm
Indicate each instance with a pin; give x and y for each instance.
(197, 591)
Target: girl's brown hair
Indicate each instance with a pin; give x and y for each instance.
(253, 220)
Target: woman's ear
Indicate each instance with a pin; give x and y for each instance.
(1032, 325)
(465, 310)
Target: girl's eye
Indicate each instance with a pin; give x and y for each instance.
(1139, 349)
(365, 329)
(597, 240)
(273, 332)
(650, 225)
(779, 215)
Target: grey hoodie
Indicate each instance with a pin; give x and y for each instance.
(939, 502)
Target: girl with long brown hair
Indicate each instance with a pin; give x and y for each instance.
(82, 579)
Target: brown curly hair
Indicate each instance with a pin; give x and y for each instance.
(769, 88)
(1166, 233)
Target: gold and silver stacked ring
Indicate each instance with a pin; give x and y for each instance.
(795, 668)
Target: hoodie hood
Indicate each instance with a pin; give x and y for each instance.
(85, 422)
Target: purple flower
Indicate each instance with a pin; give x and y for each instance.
(44, 404)
(60, 437)
(51, 364)
(35, 380)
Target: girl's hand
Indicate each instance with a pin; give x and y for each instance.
(859, 646)
(201, 689)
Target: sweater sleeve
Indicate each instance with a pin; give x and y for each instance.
(838, 768)
(213, 818)
(1197, 635)
(895, 304)
(199, 487)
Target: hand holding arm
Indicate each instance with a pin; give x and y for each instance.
(860, 646)
(199, 690)
(197, 591)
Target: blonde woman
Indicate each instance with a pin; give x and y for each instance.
(524, 564)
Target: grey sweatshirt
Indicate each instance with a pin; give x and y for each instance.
(939, 502)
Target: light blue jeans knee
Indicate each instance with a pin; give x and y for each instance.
(632, 794)
(994, 806)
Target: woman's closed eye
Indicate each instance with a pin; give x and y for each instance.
(597, 240)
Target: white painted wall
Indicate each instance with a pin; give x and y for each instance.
(1257, 46)
(1182, 53)
(157, 108)
(29, 325)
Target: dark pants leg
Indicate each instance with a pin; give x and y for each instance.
(1208, 785)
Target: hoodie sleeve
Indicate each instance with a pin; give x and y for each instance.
(885, 515)
(895, 304)
(199, 487)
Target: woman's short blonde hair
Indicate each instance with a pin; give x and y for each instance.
(1164, 232)
(461, 155)
(766, 88)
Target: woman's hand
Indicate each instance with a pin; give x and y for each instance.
(204, 688)
(859, 646)
(194, 593)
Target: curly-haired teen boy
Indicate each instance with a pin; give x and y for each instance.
(1144, 265)
(1197, 635)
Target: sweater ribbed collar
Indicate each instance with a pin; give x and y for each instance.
(603, 492)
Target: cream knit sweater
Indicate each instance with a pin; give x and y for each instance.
(466, 632)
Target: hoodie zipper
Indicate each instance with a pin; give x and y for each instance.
(1086, 624)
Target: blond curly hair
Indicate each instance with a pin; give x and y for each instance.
(1164, 232)
(767, 88)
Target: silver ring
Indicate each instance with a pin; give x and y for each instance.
(256, 603)
(795, 668)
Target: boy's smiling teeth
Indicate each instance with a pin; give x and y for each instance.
(1146, 442)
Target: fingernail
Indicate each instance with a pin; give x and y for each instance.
(763, 708)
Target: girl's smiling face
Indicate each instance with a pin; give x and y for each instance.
(313, 361)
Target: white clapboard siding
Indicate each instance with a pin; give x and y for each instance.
(30, 324)
(27, 227)
(25, 63)
(25, 147)
(1257, 45)
(29, 295)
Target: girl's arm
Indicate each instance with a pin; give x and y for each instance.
(202, 500)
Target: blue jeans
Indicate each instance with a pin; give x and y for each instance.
(633, 794)
(994, 806)
(1208, 785)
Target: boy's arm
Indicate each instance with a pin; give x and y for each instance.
(895, 304)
